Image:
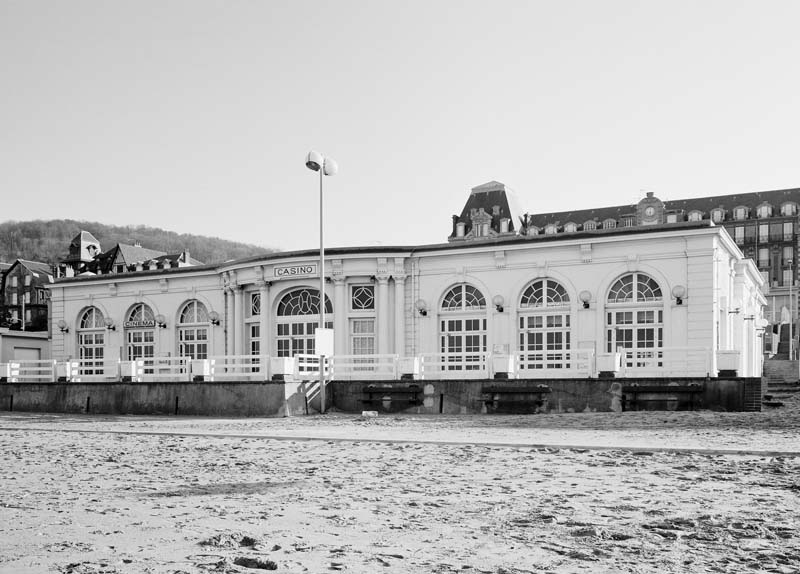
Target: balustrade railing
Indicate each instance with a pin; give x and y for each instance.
(575, 363)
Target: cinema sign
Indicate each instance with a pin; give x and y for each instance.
(296, 270)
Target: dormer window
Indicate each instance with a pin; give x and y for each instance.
(789, 209)
(672, 218)
(590, 226)
(550, 229)
(695, 215)
(627, 222)
(609, 224)
(740, 213)
(717, 215)
(764, 210)
(533, 230)
(570, 227)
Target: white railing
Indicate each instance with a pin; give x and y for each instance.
(577, 363)
(94, 370)
(34, 371)
(454, 365)
(666, 362)
(306, 367)
(361, 367)
(165, 368)
(238, 367)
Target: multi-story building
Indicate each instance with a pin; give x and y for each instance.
(85, 256)
(25, 296)
(763, 224)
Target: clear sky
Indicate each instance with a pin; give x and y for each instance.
(196, 115)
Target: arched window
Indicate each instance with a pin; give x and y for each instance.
(550, 229)
(695, 215)
(544, 333)
(193, 328)
(740, 213)
(590, 226)
(609, 224)
(462, 328)
(140, 332)
(635, 320)
(91, 341)
(297, 320)
(570, 227)
(764, 210)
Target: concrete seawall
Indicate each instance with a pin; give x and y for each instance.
(267, 399)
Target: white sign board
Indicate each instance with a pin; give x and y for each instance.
(296, 270)
(323, 340)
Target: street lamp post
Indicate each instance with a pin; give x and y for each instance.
(315, 161)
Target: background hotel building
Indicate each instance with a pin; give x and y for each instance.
(501, 285)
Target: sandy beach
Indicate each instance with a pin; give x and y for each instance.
(588, 492)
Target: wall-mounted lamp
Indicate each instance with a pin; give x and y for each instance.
(62, 326)
(679, 292)
(422, 307)
(498, 301)
(213, 316)
(161, 321)
(110, 324)
(585, 297)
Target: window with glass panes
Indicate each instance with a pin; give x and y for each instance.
(362, 321)
(297, 319)
(462, 327)
(193, 327)
(635, 320)
(140, 333)
(91, 342)
(544, 335)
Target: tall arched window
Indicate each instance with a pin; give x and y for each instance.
(544, 334)
(140, 332)
(297, 319)
(193, 328)
(462, 321)
(91, 341)
(635, 319)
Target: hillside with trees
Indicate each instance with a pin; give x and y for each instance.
(48, 241)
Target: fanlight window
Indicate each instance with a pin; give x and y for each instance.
(92, 318)
(194, 312)
(544, 293)
(634, 288)
(463, 297)
(302, 302)
(141, 313)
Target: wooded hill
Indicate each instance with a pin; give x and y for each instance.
(48, 241)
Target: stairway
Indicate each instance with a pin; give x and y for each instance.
(783, 381)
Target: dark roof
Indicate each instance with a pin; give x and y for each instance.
(703, 204)
(486, 197)
(751, 200)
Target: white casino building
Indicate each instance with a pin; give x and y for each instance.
(676, 299)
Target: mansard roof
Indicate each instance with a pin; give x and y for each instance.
(486, 197)
(702, 204)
